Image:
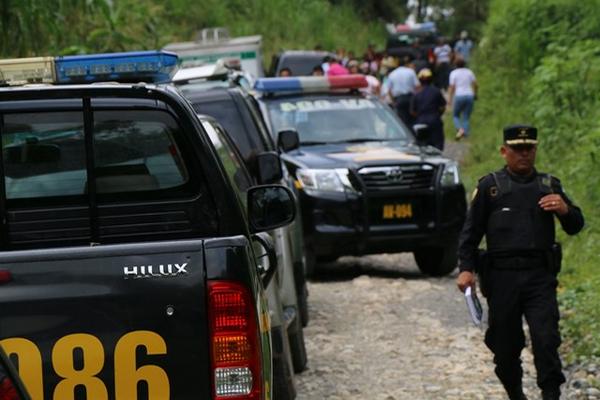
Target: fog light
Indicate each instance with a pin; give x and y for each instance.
(233, 381)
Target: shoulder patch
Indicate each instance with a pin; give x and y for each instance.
(493, 191)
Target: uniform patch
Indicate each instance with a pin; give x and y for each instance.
(493, 191)
(546, 181)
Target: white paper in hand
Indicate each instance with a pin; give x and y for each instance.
(474, 306)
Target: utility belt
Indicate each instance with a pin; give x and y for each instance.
(507, 260)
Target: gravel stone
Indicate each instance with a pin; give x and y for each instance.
(381, 330)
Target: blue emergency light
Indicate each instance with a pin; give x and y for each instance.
(310, 83)
(141, 66)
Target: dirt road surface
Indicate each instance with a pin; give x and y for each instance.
(380, 330)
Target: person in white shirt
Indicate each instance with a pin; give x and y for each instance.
(461, 94)
(443, 56)
(402, 83)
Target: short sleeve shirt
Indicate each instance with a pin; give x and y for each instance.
(442, 54)
(402, 80)
(462, 79)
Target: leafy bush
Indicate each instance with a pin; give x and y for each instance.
(539, 63)
(59, 27)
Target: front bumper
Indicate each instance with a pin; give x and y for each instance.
(337, 224)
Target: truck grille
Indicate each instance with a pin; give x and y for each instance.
(416, 176)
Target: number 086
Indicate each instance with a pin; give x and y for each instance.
(127, 373)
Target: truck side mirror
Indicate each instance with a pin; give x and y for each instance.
(270, 207)
(11, 386)
(269, 168)
(421, 133)
(288, 140)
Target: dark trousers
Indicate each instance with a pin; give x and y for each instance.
(512, 294)
(402, 104)
(436, 129)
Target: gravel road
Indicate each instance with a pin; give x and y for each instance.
(380, 330)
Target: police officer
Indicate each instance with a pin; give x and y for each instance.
(515, 208)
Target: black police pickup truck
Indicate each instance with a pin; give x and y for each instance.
(127, 265)
(366, 184)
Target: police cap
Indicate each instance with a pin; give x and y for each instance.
(520, 134)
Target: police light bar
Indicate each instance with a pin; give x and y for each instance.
(21, 71)
(140, 66)
(310, 83)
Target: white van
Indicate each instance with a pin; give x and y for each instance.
(212, 44)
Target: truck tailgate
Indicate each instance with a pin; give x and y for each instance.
(108, 322)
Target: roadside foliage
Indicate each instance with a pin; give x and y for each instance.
(539, 63)
(60, 27)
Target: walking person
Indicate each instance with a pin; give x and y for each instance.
(427, 107)
(515, 209)
(443, 56)
(402, 83)
(463, 46)
(462, 93)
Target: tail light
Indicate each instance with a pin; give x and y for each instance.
(7, 390)
(235, 343)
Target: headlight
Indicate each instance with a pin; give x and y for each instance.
(324, 180)
(450, 176)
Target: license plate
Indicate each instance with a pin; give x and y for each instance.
(397, 211)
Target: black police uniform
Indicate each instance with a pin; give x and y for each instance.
(519, 277)
(426, 105)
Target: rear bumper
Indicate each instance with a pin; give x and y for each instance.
(339, 224)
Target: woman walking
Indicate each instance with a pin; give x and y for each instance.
(461, 94)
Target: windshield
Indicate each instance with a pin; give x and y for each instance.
(336, 119)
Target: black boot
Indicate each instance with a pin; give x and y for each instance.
(551, 394)
(516, 394)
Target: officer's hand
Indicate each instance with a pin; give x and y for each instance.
(554, 203)
(464, 280)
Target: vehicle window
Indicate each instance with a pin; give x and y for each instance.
(300, 65)
(229, 157)
(337, 119)
(43, 154)
(259, 122)
(230, 118)
(135, 151)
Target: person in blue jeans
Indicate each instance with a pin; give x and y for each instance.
(462, 92)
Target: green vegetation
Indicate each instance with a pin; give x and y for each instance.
(539, 63)
(59, 27)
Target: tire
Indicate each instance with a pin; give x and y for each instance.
(301, 293)
(311, 262)
(297, 345)
(436, 261)
(327, 259)
(284, 384)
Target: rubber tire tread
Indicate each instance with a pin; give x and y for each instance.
(437, 261)
(284, 384)
(298, 346)
(301, 294)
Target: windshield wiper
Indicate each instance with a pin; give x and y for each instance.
(313, 143)
(362, 140)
